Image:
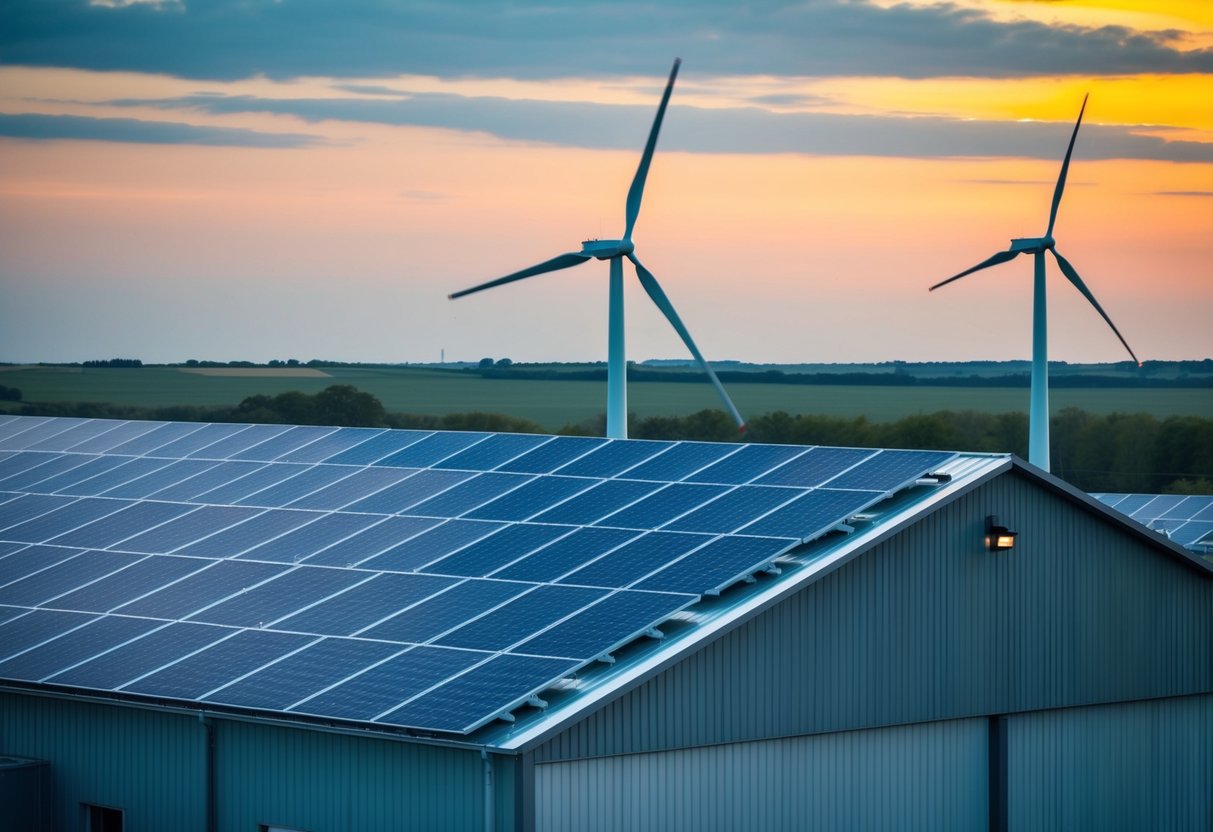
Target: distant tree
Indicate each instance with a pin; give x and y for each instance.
(503, 362)
(485, 363)
(9, 394)
(292, 362)
(346, 406)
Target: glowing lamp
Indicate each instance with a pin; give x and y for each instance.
(998, 537)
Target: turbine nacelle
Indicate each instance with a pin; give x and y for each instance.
(1031, 244)
(606, 249)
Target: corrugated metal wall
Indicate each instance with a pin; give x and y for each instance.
(151, 765)
(917, 777)
(1135, 766)
(334, 783)
(929, 626)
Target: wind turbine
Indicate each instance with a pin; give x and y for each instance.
(615, 251)
(1038, 407)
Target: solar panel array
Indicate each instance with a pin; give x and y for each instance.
(1185, 519)
(430, 580)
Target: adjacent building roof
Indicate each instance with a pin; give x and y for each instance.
(1184, 519)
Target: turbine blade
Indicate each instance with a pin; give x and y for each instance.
(993, 260)
(564, 261)
(1070, 273)
(663, 303)
(636, 192)
(1065, 167)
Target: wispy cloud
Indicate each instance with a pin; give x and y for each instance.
(39, 127)
(722, 130)
(1183, 193)
(371, 38)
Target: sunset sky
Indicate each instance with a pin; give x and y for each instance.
(260, 179)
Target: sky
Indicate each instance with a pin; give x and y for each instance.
(276, 179)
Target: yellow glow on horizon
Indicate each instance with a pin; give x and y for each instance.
(1189, 16)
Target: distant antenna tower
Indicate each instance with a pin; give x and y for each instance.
(442, 356)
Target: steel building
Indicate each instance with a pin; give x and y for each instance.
(234, 627)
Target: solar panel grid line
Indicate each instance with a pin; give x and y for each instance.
(295, 705)
(190, 488)
(611, 459)
(109, 544)
(520, 463)
(796, 451)
(322, 475)
(418, 501)
(122, 432)
(469, 484)
(368, 577)
(372, 531)
(449, 461)
(384, 477)
(361, 632)
(287, 576)
(173, 431)
(37, 432)
(291, 438)
(707, 539)
(432, 640)
(337, 516)
(539, 553)
(678, 601)
(662, 494)
(102, 653)
(185, 615)
(132, 469)
(49, 601)
(379, 447)
(487, 658)
(268, 664)
(463, 546)
(69, 439)
(525, 554)
(673, 450)
(195, 444)
(55, 464)
(68, 481)
(437, 561)
(82, 619)
(81, 511)
(237, 513)
(284, 521)
(24, 575)
(18, 511)
(458, 446)
(235, 631)
(224, 447)
(512, 646)
(589, 494)
(330, 445)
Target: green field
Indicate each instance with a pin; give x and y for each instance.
(554, 404)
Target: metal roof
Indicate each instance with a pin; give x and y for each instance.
(467, 588)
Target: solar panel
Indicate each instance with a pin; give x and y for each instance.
(432, 580)
(1186, 520)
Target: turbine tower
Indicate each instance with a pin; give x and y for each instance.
(615, 251)
(1038, 407)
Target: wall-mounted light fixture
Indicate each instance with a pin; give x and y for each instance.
(998, 537)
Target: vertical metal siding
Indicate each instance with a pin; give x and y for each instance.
(929, 625)
(325, 782)
(913, 777)
(150, 765)
(1134, 766)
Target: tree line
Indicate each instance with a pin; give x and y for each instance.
(1115, 452)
